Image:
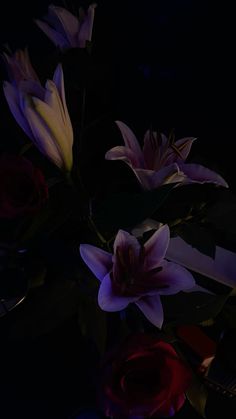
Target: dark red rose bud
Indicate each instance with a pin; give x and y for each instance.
(143, 378)
(23, 189)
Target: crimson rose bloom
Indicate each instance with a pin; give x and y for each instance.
(23, 189)
(144, 378)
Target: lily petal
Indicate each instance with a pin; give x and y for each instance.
(183, 148)
(57, 130)
(12, 98)
(152, 309)
(98, 261)
(42, 137)
(58, 39)
(123, 153)
(152, 180)
(201, 174)
(131, 141)
(124, 241)
(66, 21)
(86, 27)
(58, 79)
(176, 277)
(156, 247)
(108, 301)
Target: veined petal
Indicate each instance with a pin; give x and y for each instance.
(152, 149)
(152, 180)
(180, 151)
(125, 241)
(57, 130)
(32, 88)
(152, 309)
(57, 38)
(42, 137)
(108, 301)
(156, 247)
(176, 277)
(13, 100)
(98, 261)
(200, 174)
(131, 141)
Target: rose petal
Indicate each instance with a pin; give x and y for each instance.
(108, 301)
(98, 261)
(152, 309)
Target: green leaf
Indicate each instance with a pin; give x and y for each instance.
(125, 210)
(92, 321)
(193, 308)
(197, 395)
(198, 237)
(45, 309)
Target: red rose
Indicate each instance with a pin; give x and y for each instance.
(23, 189)
(144, 378)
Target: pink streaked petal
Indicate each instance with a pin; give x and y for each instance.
(98, 261)
(151, 150)
(108, 301)
(124, 241)
(152, 180)
(130, 141)
(175, 277)
(156, 247)
(152, 309)
(123, 153)
(201, 174)
(184, 147)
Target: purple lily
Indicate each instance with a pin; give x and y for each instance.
(66, 30)
(42, 114)
(136, 274)
(161, 161)
(19, 67)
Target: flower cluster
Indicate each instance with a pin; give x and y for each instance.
(146, 242)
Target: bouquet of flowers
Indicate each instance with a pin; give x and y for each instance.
(129, 234)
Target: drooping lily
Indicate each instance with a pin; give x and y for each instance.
(42, 114)
(161, 160)
(19, 67)
(136, 274)
(66, 30)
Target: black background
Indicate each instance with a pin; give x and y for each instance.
(167, 63)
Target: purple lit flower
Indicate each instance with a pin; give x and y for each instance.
(161, 161)
(42, 114)
(136, 274)
(66, 30)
